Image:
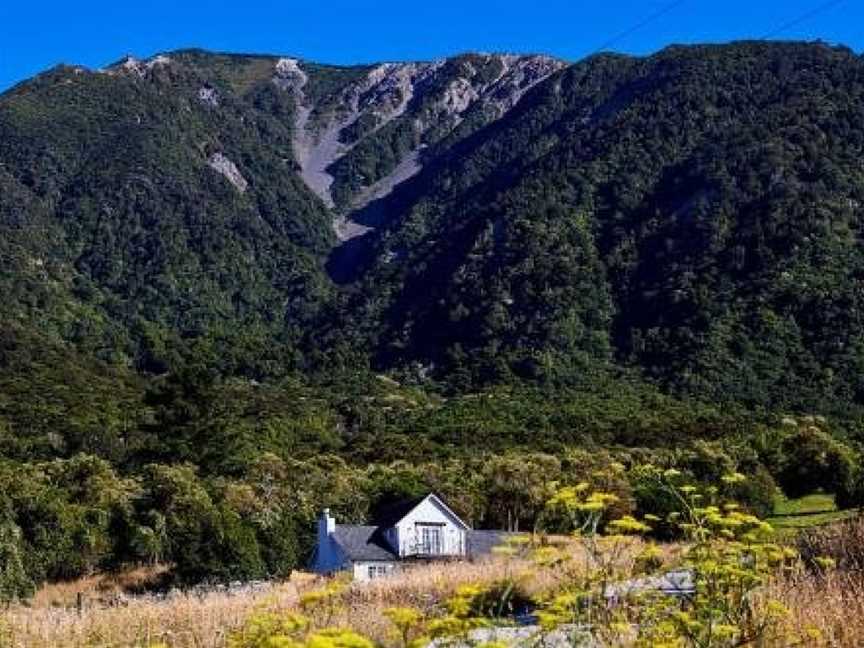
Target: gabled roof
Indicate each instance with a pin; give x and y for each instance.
(391, 515)
(360, 542)
(367, 543)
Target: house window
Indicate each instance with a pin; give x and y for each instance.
(431, 539)
(377, 571)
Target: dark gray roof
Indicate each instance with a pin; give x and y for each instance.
(388, 516)
(362, 542)
(481, 542)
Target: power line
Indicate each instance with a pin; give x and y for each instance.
(643, 23)
(825, 6)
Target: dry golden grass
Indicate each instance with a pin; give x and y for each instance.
(833, 605)
(196, 620)
(842, 541)
(192, 620)
(102, 589)
(426, 588)
(182, 621)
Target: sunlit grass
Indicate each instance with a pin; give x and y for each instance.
(806, 512)
(830, 605)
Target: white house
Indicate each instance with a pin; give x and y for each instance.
(415, 530)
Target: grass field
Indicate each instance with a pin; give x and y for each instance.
(806, 512)
(831, 605)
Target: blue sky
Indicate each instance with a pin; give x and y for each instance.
(35, 35)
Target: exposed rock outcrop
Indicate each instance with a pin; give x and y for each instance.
(221, 164)
(433, 99)
(138, 67)
(208, 96)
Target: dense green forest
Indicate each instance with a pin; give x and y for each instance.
(693, 216)
(223, 478)
(623, 265)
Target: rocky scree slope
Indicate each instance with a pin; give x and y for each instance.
(379, 129)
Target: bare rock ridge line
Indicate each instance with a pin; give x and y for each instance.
(422, 103)
(140, 67)
(394, 91)
(384, 94)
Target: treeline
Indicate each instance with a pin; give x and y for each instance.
(223, 480)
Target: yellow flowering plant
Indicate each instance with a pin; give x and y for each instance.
(605, 581)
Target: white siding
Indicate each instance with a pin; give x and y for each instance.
(364, 571)
(430, 512)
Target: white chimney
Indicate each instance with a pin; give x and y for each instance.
(326, 524)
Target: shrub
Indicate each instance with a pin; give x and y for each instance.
(654, 499)
(14, 582)
(852, 494)
(812, 460)
(756, 493)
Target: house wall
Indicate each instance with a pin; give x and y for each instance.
(429, 511)
(328, 556)
(361, 572)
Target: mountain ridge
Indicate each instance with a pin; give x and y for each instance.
(633, 265)
(490, 216)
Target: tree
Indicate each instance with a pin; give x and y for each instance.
(517, 486)
(813, 460)
(15, 584)
(191, 520)
(852, 496)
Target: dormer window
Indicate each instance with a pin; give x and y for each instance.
(431, 539)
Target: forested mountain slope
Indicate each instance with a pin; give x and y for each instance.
(693, 216)
(697, 214)
(183, 204)
(149, 244)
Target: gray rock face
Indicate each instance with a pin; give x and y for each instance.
(208, 96)
(564, 637)
(288, 75)
(221, 164)
(138, 67)
(427, 100)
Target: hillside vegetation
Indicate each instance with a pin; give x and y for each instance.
(237, 289)
(694, 216)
